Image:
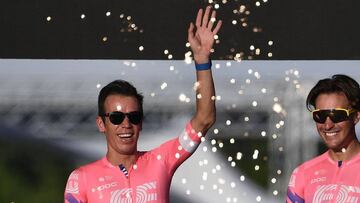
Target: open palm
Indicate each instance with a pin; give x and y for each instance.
(202, 40)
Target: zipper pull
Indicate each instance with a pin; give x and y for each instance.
(123, 169)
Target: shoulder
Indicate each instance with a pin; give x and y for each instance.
(97, 163)
(78, 180)
(90, 167)
(357, 157)
(314, 162)
(355, 161)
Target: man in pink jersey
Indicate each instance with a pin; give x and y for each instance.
(333, 176)
(126, 175)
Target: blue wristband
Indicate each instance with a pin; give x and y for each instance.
(203, 66)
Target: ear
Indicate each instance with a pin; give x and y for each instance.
(356, 118)
(141, 125)
(100, 124)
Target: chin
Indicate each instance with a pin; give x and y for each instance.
(129, 151)
(335, 148)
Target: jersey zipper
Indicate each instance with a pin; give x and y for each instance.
(126, 174)
(336, 180)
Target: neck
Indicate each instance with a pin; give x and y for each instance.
(125, 160)
(347, 153)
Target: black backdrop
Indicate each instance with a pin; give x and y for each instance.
(299, 29)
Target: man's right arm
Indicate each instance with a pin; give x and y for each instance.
(74, 191)
(295, 191)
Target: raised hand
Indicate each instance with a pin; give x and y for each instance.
(202, 39)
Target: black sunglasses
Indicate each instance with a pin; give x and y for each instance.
(117, 117)
(336, 115)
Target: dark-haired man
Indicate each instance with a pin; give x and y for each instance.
(333, 176)
(126, 174)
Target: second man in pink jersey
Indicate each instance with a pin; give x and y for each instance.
(332, 177)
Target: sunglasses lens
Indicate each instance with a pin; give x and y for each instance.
(135, 117)
(320, 116)
(338, 116)
(335, 115)
(116, 117)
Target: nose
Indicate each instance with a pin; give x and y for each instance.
(126, 123)
(329, 123)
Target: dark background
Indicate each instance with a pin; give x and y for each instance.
(321, 29)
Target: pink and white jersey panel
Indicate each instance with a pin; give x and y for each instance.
(323, 180)
(148, 180)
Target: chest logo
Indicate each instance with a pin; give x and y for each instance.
(344, 194)
(144, 193)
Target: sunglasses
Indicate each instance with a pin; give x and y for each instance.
(336, 115)
(117, 117)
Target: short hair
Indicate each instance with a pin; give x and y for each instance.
(335, 84)
(120, 87)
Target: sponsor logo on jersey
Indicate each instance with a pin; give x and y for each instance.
(106, 186)
(292, 181)
(318, 180)
(344, 194)
(72, 187)
(144, 193)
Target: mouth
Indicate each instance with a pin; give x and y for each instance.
(125, 135)
(330, 134)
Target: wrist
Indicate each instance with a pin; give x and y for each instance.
(200, 59)
(203, 66)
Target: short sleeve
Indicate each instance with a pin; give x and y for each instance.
(295, 191)
(177, 150)
(75, 191)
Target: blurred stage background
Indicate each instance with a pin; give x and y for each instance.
(267, 56)
(263, 130)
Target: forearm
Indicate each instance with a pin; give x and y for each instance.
(205, 100)
(201, 58)
(201, 43)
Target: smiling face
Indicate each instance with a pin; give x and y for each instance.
(336, 135)
(121, 139)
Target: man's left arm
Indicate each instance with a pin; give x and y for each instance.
(201, 39)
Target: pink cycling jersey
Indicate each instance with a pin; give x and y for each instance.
(323, 180)
(148, 180)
